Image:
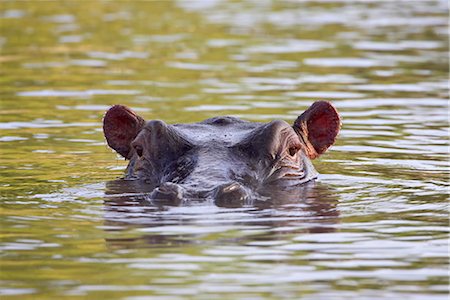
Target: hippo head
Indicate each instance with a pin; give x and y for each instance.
(222, 158)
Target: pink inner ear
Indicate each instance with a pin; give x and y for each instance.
(320, 123)
(120, 126)
(323, 129)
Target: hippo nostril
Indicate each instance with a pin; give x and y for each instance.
(167, 194)
(230, 195)
(139, 150)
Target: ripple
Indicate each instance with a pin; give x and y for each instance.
(194, 66)
(395, 59)
(342, 237)
(71, 39)
(402, 45)
(44, 124)
(330, 78)
(400, 102)
(67, 27)
(186, 229)
(222, 90)
(26, 245)
(120, 15)
(221, 43)
(327, 95)
(40, 65)
(346, 62)
(425, 165)
(41, 136)
(289, 46)
(16, 291)
(187, 55)
(12, 138)
(356, 264)
(62, 18)
(82, 289)
(77, 94)
(118, 56)
(172, 266)
(241, 251)
(366, 133)
(409, 21)
(216, 107)
(426, 133)
(73, 62)
(97, 108)
(269, 80)
(268, 87)
(368, 149)
(12, 14)
(43, 151)
(378, 46)
(88, 63)
(167, 38)
(275, 65)
(404, 87)
(164, 84)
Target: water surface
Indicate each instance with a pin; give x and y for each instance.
(375, 224)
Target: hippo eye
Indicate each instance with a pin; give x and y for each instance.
(139, 150)
(293, 150)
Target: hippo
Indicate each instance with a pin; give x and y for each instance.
(224, 159)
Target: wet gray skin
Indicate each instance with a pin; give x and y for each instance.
(223, 158)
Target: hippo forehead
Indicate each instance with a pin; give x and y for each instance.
(224, 130)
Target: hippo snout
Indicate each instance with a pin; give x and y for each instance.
(230, 194)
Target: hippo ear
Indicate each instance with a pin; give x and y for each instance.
(120, 126)
(318, 127)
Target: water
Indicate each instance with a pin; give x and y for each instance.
(374, 226)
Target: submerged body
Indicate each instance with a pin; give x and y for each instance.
(224, 158)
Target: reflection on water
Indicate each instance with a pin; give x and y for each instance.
(128, 202)
(375, 224)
